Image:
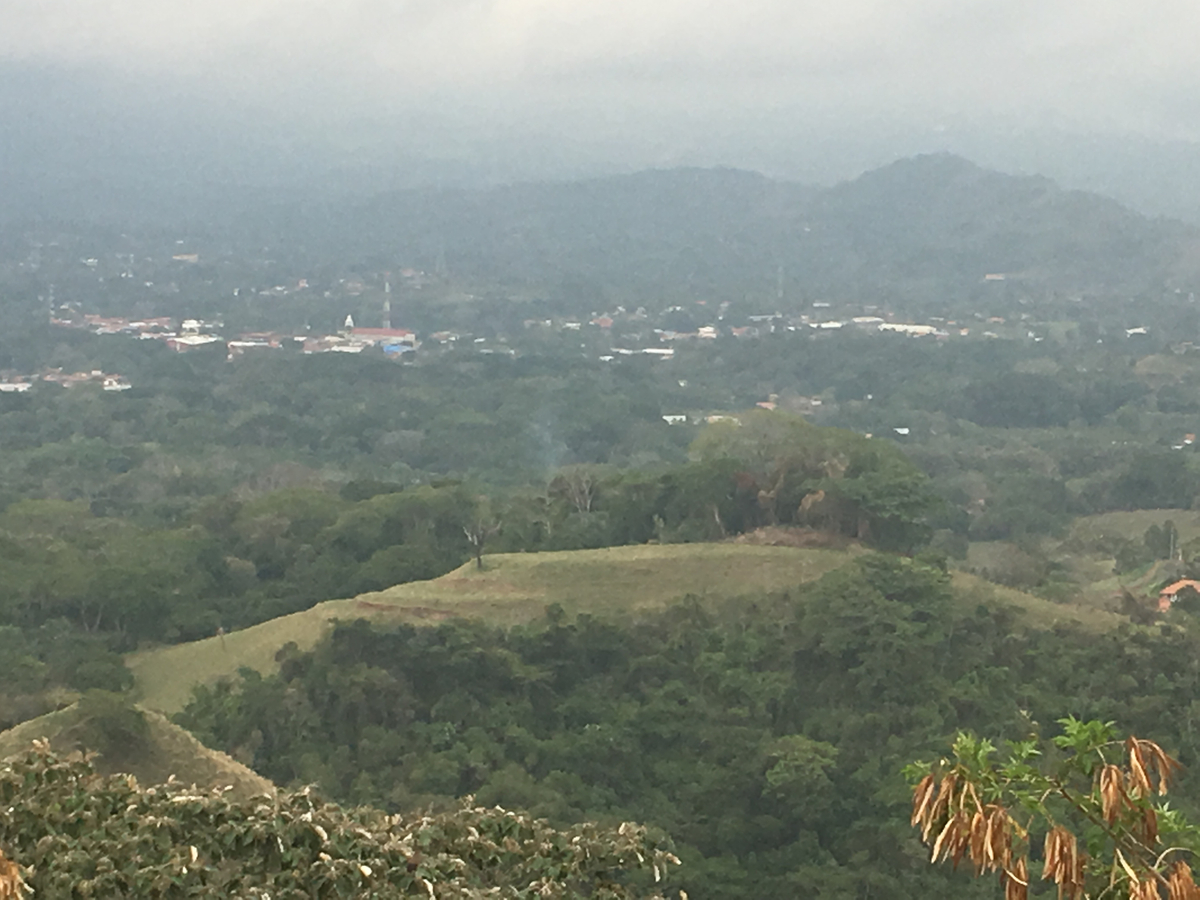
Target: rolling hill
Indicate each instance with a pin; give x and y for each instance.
(512, 587)
(618, 581)
(165, 750)
(926, 228)
(939, 217)
(518, 587)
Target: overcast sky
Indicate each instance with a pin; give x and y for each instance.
(1113, 63)
(666, 76)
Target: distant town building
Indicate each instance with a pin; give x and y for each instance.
(181, 343)
(911, 330)
(74, 379)
(396, 339)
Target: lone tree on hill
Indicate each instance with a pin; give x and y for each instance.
(482, 526)
(477, 534)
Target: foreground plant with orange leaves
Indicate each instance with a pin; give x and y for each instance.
(1090, 802)
(12, 880)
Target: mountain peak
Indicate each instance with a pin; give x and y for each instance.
(938, 171)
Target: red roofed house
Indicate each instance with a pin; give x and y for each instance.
(1170, 593)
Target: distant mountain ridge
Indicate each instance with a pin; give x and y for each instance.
(935, 224)
(939, 215)
(928, 228)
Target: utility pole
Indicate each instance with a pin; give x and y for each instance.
(387, 304)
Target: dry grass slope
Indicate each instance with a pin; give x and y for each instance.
(1038, 613)
(512, 588)
(517, 587)
(168, 750)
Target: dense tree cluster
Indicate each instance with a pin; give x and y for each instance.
(1017, 436)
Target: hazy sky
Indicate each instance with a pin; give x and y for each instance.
(502, 89)
(1116, 64)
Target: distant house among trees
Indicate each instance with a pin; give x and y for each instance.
(1170, 593)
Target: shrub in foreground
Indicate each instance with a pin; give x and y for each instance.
(74, 833)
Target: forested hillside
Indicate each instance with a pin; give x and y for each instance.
(767, 734)
(934, 224)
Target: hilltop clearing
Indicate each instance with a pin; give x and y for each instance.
(517, 587)
(512, 587)
(1132, 524)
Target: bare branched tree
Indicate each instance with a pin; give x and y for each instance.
(477, 534)
(578, 485)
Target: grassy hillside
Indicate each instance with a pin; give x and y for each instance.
(1039, 613)
(167, 750)
(1083, 557)
(517, 587)
(512, 587)
(1132, 525)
